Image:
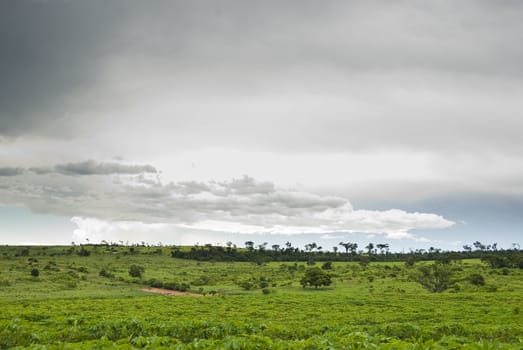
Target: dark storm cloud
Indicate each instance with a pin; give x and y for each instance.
(50, 53)
(91, 167)
(11, 171)
(298, 76)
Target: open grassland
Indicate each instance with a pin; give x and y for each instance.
(71, 304)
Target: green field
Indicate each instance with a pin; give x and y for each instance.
(69, 305)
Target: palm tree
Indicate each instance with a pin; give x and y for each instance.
(369, 248)
(249, 245)
(382, 247)
(346, 246)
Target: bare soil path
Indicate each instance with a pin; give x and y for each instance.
(170, 292)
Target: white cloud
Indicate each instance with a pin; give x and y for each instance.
(109, 203)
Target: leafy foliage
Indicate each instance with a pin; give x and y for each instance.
(436, 277)
(314, 276)
(136, 270)
(379, 306)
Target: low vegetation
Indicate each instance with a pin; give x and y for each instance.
(91, 297)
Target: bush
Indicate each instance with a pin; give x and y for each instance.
(410, 261)
(83, 252)
(155, 283)
(35, 272)
(266, 291)
(435, 278)
(327, 265)
(263, 284)
(136, 271)
(246, 284)
(477, 279)
(104, 273)
(5, 283)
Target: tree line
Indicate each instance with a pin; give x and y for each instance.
(346, 251)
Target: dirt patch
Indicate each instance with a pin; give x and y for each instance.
(170, 292)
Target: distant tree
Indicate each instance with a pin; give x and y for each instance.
(310, 247)
(249, 245)
(349, 246)
(314, 276)
(261, 247)
(382, 247)
(479, 246)
(346, 246)
(275, 247)
(335, 250)
(467, 248)
(369, 248)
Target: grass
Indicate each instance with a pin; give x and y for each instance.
(70, 306)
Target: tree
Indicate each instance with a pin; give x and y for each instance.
(369, 248)
(316, 277)
(382, 247)
(346, 246)
(479, 246)
(249, 245)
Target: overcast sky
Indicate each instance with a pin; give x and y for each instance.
(326, 121)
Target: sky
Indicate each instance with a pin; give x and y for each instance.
(183, 122)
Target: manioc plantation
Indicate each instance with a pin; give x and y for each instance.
(117, 296)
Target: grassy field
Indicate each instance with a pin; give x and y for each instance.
(69, 305)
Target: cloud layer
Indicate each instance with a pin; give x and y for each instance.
(123, 193)
(296, 77)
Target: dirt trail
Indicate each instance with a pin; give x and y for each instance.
(170, 292)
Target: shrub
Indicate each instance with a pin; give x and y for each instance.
(104, 273)
(263, 284)
(266, 291)
(83, 252)
(155, 283)
(35, 272)
(477, 279)
(435, 278)
(5, 283)
(410, 261)
(136, 271)
(327, 265)
(316, 277)
(246, 284)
